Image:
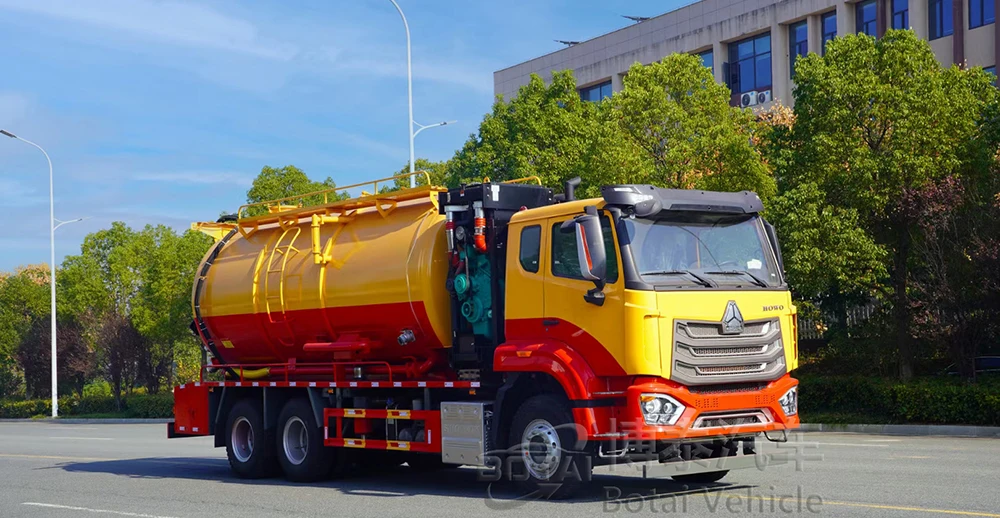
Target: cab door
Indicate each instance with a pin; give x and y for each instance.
(525, 281)
(596, 332)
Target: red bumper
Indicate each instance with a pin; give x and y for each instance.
(705, 415)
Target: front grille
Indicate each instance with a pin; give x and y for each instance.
(731, 369)
(730, 419)
(728, 387)
(702, 355)
(728, 351)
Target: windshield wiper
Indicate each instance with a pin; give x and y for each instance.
(756, 280)
(698, 278)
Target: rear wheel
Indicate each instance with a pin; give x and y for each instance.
(247, 445)
(548, 459)
(301, 452)
(701, 478)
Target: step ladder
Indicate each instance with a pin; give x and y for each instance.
(275, 302)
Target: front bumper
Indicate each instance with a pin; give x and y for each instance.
(707, 414)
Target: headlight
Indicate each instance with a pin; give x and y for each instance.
(660, 409)
(790, 401)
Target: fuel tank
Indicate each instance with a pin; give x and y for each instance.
(354, 282)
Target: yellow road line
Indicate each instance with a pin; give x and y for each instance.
(790, 499)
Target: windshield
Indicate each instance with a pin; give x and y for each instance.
(698, 249)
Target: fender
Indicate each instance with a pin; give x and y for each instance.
(551, 357)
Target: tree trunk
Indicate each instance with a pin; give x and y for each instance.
(901, 304)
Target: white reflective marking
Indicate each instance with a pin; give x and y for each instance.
(354, 384)
(197, 384)
(421, 383)
(292, 384)
(397, 384)
(374, 383)
(89, 510)
(449, 384)
(475, 384)
(274, 384)
(195, 429)
(312, 383)
(256, 384)
(332, 384)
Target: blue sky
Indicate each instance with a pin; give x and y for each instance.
(163, 111)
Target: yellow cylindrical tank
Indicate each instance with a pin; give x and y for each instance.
(330, 284)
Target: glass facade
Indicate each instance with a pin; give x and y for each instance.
(708, 59)
(901, 14)
(596, 93)
(981, 12)
(750, 64)
(864, 17)
(829, 23)
(939, 19)
(798, 42)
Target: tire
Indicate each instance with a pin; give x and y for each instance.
(300, 449)
(701, 478)
(546, 457)
(248, 445)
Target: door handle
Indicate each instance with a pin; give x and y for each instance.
(550, 322)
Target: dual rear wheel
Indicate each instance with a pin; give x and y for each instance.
(295, 445)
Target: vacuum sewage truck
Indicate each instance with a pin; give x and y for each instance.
(498, 325)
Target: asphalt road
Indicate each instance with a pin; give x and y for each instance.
(100, 470)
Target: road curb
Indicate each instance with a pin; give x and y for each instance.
(907, 429)
(88, 421)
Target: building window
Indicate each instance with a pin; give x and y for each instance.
(992, 70)
(708, 59)
(940, 18)
(531, 244)
(596, 93)
(565, 259)
(798, 39)
(829, 22)
(901, 14)
(864, 15)
(750, 64)
(981, 12)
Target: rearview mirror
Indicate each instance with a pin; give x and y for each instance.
(590, 253)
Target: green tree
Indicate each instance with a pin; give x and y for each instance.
(438, 171)
(546, 131)
(288, 182)
(672, 126)
(876, 120)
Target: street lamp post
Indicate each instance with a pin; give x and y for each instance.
(409, 97)
(52, 266)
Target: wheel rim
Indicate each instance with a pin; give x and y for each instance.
(295, 440)
(242, 439)
(541, 449)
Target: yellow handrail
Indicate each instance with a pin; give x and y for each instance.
(526, 179)
(281, 206)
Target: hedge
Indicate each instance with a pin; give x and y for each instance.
(134, 406)
(925, 401)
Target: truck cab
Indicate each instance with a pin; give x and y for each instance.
(662, 314)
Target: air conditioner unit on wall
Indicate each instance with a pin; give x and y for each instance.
(748, 99)
(763, 96)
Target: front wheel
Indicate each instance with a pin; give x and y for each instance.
(701, 478)
(301, 452)
(548, 458)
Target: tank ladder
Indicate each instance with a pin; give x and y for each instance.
(275, 302)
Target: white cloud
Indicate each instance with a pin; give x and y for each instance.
(13, 107)
(174, 22)
(197, 177)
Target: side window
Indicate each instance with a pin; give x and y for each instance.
(565, 261)
(531, 244)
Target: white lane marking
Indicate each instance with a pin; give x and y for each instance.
(83, 438)
(105, 511)
(852, 444)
